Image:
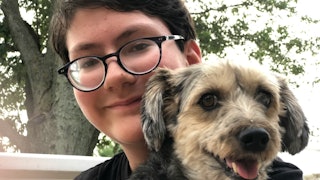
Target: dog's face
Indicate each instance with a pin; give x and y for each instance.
(222, 117)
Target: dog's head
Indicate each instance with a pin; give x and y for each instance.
(208, 108)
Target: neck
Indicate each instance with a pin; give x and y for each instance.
(136, 154)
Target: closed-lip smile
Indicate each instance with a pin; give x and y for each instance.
(126, 102)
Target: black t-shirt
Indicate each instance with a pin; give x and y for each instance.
(118, 168)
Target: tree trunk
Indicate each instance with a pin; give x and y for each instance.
(56, 125)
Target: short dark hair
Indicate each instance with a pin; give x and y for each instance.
(172, 12)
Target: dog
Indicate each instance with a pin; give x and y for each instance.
(218, 121)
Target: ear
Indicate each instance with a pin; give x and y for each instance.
(293, 120)
(192, 52)
(161, 102)
(152, 115)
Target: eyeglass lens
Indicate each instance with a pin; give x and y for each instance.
(137, 57)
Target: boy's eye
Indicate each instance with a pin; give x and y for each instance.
(87, 63)
(137, 47)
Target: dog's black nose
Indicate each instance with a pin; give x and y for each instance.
(254, 139)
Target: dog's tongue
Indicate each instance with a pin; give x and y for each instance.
(247, 169)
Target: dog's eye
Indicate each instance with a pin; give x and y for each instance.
(265, 98)
(208, 101)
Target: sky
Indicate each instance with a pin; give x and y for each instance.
(308, 94)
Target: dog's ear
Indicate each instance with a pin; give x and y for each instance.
(152, 109)
(161, 102)
(293, 120)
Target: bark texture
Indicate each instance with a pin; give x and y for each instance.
(56, 125)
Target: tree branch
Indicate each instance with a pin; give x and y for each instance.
(224, 7)
(21, 32)
(39, 72)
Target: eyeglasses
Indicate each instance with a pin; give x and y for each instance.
(137, 57)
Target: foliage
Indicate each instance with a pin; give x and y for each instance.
(11, 83)
(38, 110)
(13, 72)
(42, 13)
(254, 26)
(107, 147)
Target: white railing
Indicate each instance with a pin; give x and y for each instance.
(16, 166)
(21, 166)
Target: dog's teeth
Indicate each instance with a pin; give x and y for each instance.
(234, 167)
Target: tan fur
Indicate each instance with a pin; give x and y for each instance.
(172, 108)
(216, 131)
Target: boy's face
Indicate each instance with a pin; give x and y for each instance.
(114, 108)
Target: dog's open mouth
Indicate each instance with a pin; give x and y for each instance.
(245, 168)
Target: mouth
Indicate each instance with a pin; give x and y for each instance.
(242, 169)
(245, 168)
(125, 103)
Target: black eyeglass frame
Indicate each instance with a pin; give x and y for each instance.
(158, 40)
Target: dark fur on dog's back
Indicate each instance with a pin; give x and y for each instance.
(193, 120)
(161, 165)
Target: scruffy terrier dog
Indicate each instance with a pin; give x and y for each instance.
(219, 121)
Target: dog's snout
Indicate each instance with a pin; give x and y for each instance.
(254, 139)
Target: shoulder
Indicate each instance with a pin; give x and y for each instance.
(283, 170)
(116, 168)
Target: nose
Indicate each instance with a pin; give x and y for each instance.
(254, 139)
(117, 77)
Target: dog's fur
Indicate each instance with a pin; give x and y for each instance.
(200, 122)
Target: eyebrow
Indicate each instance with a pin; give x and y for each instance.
(120, 39)
(85, 46)
(123, 36)
(144, 29)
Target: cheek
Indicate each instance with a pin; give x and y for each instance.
(85, 101)
(81, 96)
(172, 58)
